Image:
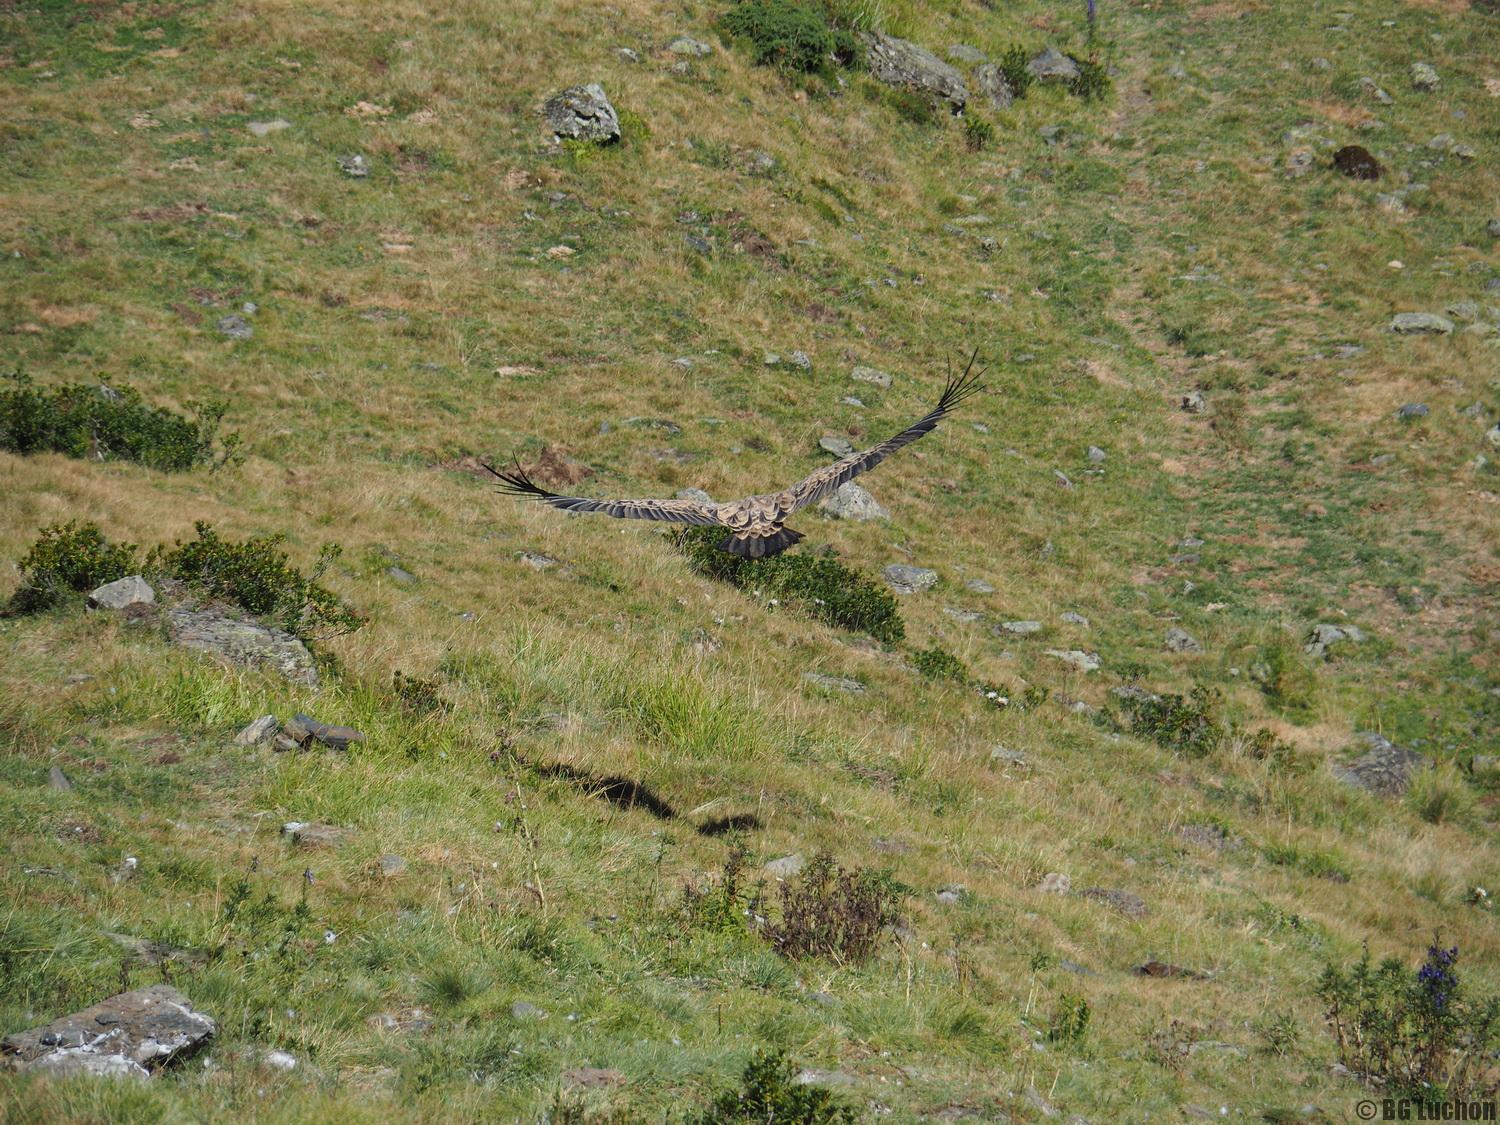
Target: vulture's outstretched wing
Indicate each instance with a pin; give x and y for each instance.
(517, 483)
(829, 479)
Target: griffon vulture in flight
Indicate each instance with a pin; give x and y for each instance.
(756, 522)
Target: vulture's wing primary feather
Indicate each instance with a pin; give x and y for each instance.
(517, 483)
(830, 478)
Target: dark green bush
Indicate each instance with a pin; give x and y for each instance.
(1070, 1020)
(103, 423)
(257, 576)
(823, 588)
(1013, 64)
(1093, 81)
(791, 35)
(939, 664)
(979, 134)
(68, 558)
(1186, 725)
(828, 911)
(770, 1093)
(1412, 1034)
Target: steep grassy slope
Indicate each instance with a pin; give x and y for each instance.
(424, 313)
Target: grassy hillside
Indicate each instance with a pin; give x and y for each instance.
(610, 729)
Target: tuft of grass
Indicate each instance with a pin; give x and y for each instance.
(1442, 794)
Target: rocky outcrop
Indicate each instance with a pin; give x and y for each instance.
(907, 66)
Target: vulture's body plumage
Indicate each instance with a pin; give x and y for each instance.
(756, 524)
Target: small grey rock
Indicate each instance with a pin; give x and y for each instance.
(308, 834)
(1050, 134)
(392, 865)
(242, 642)
(582, 113)
(991, 84)
(952, 894)
(1019, 628)
(871, 375)
(1040, 1103)
(1420, 324)
(1492, 228)
(1083, 661)
(906, 579)
(1492, 435)
(1413, 410)
(1325, 636)
(400, 575)
(800, 360)
(265, 128)
(772, 359)
(832, 443)
(1424, 77)
(979, 586)
(1055, 883)
(58, 780)
(148, 1027)
(852, 502)
(1096, 455)
(627, 54)
(1051, 65)
(1180, 640)
(1126, 902)
(1010, 757)
(1074, 619)
(1369, 86)
(304, 728)
(689, 47)
(235, 327)
(537, 560)
(1320, 63)
(964, 53)
(261, 730)
(123, 592)
(786, 866)
(353, 165)
(833, 683)
(1193, 402)
(811, 1077)
(1385, 769)
(967, 616)
(904, 65)
(523, 1010)
(694, 494)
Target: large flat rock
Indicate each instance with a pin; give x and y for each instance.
(127, 1035)
(242, 642)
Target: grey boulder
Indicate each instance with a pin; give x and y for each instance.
(1421, 324)
(582, 113)
(909, 579)
(1053, 66)
(133, 590)
(904, 65)
(851, 502)
(242, 642)
(991, 84)
(127, 1035)
(1385, 769)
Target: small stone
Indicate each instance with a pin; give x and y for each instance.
(522, 1010)
(1162, 969)
(1424, 77)
(1180, 640)
(990, 82)
(952, 894)
(701, 245)
(1193, 402)
(280, 1060)
(1010, 757)
(1074, 619)
(772, 359)
(1421, 324)
(1083, 661)
(979, 586)
(121, 1036)
(1357, 163)
(123, 592)
(833, 683)
(537, 561)
(305, 728)
(800, 360)
(964, 53)
(1492, 228)
(1325, 636)
(906, 579)
(839, 447)
(627, 54)
(1369, 86)
(58, 780)
(1096, 455)
(689, 47)
(786, 866)
(1492, 435)
(1386, 769)
(400, 575)
(1050, 134)
(871, 375)
(354, 166)
(907, 66)
(582, 113)
(1019, 628)
(810, 1077)
(967, 616)
(1126, 902)
(1051, 65)
(261, 730)
(1040, 1103)
(1413, 410)
(1320, 63)
(265, 128)
(242, 642)
(852, 502)
(235, 327)
(1055, 883)
(392, 865)
(306, 834)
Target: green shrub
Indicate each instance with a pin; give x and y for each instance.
(769, 1092)
(823, 588)
(791, 35)
(939, 664)
(1185, 725)
(828, 911)
(1092, 82)
(1013, 64)
(68, 558)
(979, 134)
(257, 576)
(1070, 1020)
(104, 423)
(1412, 1034)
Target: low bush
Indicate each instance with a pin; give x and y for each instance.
(1070, 1020)
(1183, 724)
(830, 911)
(1013, 64)
(791, 35)
(821, 587)
(1412, 1034)
(940, 664)
(979, 134)
(103, 423)
(1092, 82)
(769, 1092)
(68, 558)
(257, 576)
